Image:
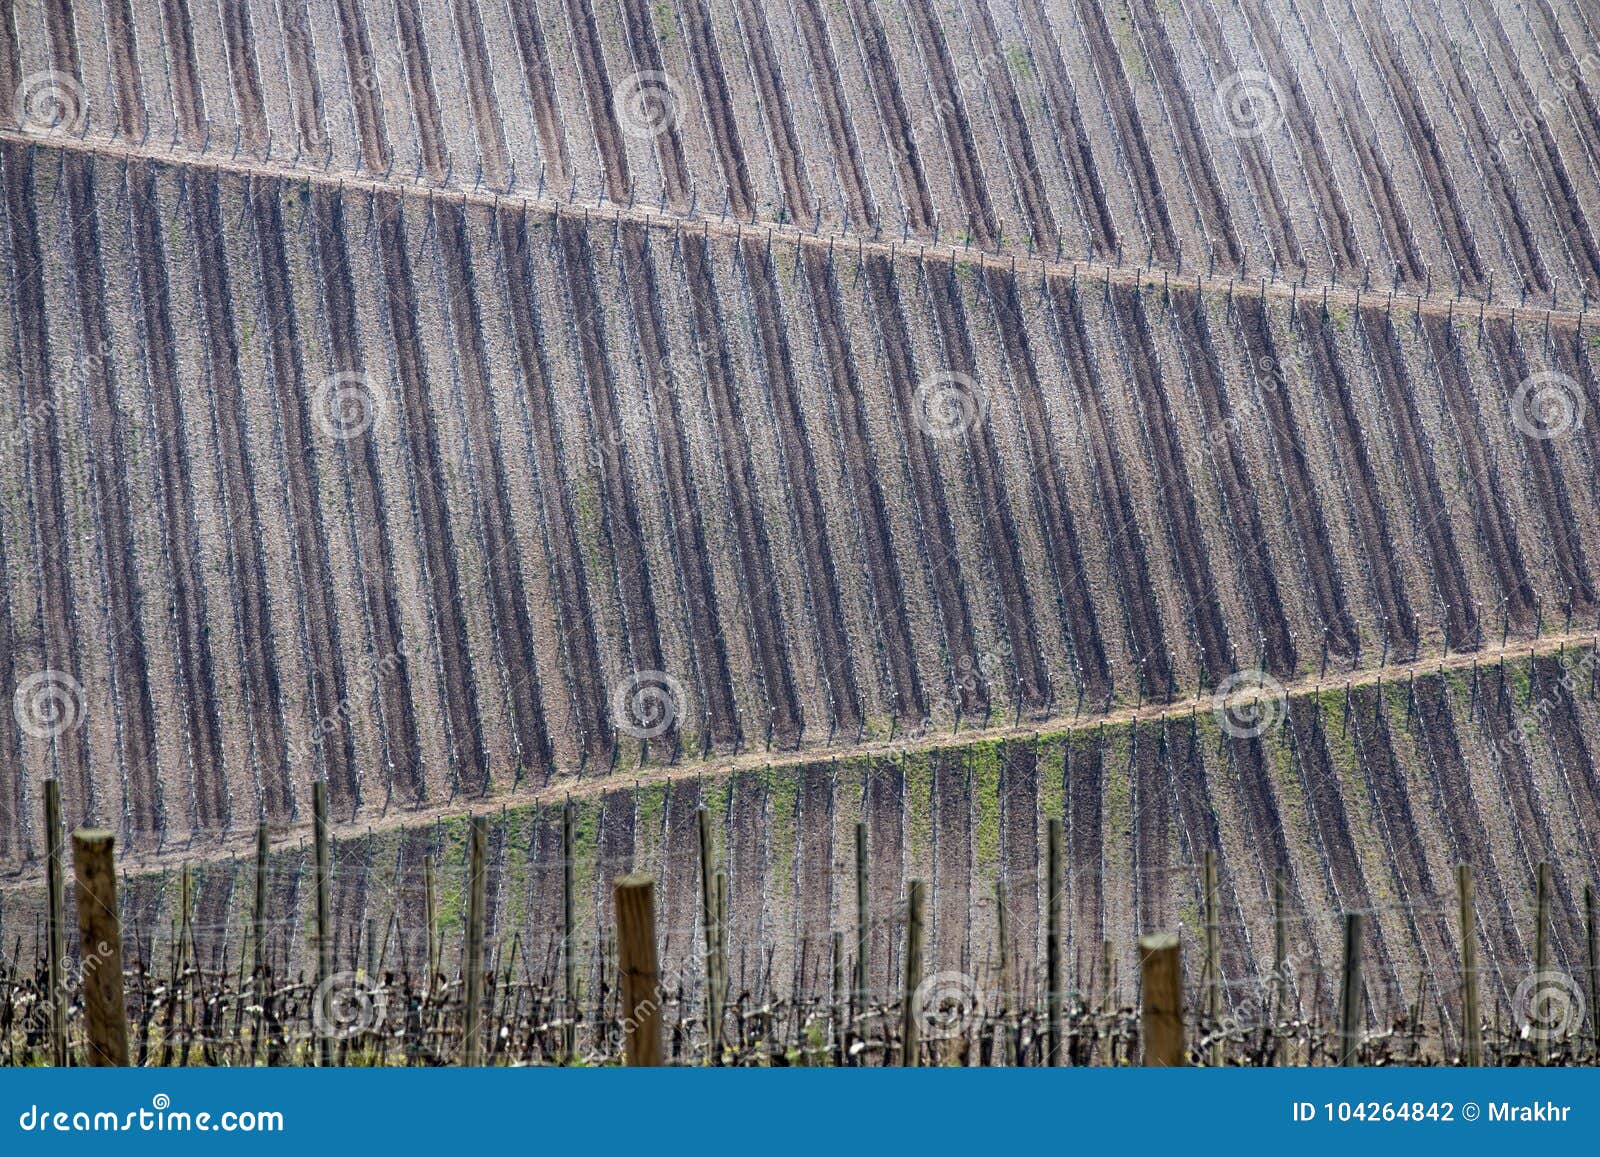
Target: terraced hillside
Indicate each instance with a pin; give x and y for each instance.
(467, 404)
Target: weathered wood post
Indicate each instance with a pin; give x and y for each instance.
(711, 921)
(1053, 957)
(100, 945)
(1541, 949)
(863, 921)
(55, 868)
(472, 966)
(569, 928)
(836, 1011)
(637, 963)
(1161, 999)
(1471, 1021)
(910, 1014)
(258, 914)
(324, 899)
(1350, 1010)
(1213, 958)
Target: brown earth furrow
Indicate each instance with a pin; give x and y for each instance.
(747, 877)
(1145, 632)
(938, 532)
(303, 75)
(584, 680)
(799, 467)
(123, 57)
(1193, 151)
(702, 43)
(1192, 559)
(188, 99)
(1241, 513)
(108, 430)
(1073, 140)
(879, 64)
(11, 63)
(597, 85)
(755, 555)
(814, 858)
(859, 207)
(1510, 367)
(241, 531)
(413, 51)
(779, 116)
(645, 51)
(883, 811)
(313, 571)
(1368, 513)
(1022, 774)
(368, 511)
(1556, 716)
(513, 628)
(947, 98)
(492, 152)
(419, 405)
(999, 519)
(949, 937)
(679, 889)
(1305, 506)
(13, 824)
(1460, 619)
(866, 485)
(1124, 114)
(1152, 835)
(1056, 518)
(60, 26)
(687, 529)
(534, 54)
(619, 503)
(1419, 131)
(1491, 517)
(195, 660)
(363, 87)
(1304, 125)
(1084, 838)
(243, 74)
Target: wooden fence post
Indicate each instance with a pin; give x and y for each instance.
(472, 966)
(258, 915)
(1350, 1010)
(1213, 958)
(711, 920)
(910, 1026)
(1471, 1021)
(636, 956)
(1053, 953)
(324, 899)
(569, 930)
(55, 867)
(863, 921)
(100, 945)
(1541, 949)
(1161, 999)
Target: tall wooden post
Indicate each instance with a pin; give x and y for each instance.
(836, 1012)
(640, 973)
(1350, 1009)
(1541, 948)
(910, 1014)
(324, 882)
(711, 921)
(1161, 999)
(258, 914)
(1053, 957)
(100, 944)
(55, 867)
(472, 968)
(569, 927)
(863, 922)
(1471, 1020)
